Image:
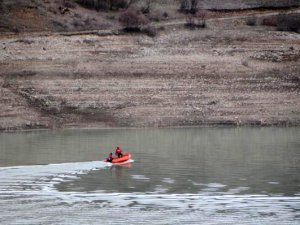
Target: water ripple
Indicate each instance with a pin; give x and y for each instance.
(28, 196)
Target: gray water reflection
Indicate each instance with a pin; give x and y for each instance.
(186, 160)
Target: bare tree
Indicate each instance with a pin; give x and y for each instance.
(190, 6)
(194, 6)
(185, 5)
(202, 15)
(190, 21)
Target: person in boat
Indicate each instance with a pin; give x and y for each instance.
(119, 152)
(110, 157)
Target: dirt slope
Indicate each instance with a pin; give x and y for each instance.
(229, 73)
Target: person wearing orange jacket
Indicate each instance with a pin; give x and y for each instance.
(119, 152)
(110, 158)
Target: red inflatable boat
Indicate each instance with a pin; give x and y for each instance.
(124, 158)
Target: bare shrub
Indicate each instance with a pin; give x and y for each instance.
(77, 23)
(89, 41)
(63, 10)
(284, 22)
(270, 21)
(194, 6)
(202, 15)
(96, 4)
(147, 7)
(1, 6)
(190, 21)
(59, 26)
(15, 30)
(25, 41)
(133, 20)
(106, 4)
(161, 28)
(241, 38)
(118, 4)
(151, 31)
(69, 4)
(156, 16)
(198, 20)
(189, 6)
(88, 21)
(251, 21)
(228, 39)
(111, 17)
(77, 15)
(245, 63)
(52, 10)
(289, 22)
(185, 6)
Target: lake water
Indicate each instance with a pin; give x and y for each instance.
(177, 176)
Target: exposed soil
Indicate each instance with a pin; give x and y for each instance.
(226, 74)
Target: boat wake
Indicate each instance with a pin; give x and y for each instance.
(43, 177)
(28, 196)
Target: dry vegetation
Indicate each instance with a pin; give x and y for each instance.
(284, 22)
(76, 15)
(79, 15)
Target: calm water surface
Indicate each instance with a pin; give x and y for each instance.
(179, 176)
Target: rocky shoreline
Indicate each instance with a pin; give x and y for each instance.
(238, 76)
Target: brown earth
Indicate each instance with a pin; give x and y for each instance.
(228, 73)
(67, 15)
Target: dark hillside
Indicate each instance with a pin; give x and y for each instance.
(249, 4)
(78, 15)
(45, 15)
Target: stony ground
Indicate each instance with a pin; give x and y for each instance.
(228, 73)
